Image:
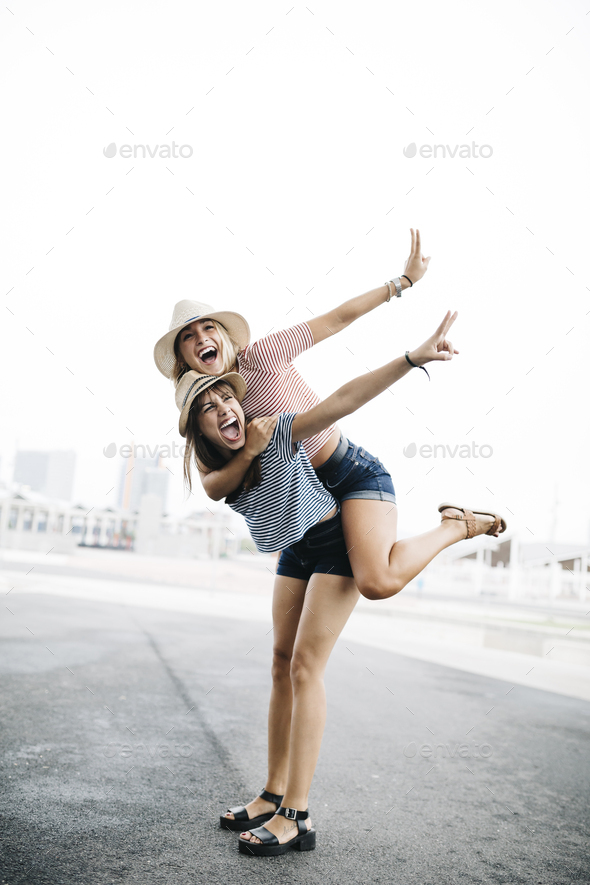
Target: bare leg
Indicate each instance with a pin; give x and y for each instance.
(328, 605)
(382, 565)
(287, 603)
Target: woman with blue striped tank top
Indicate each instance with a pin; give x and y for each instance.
(287, 508)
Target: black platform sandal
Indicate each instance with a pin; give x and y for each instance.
(240, 814)
(303, 841)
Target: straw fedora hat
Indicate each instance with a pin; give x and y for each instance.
(186, 312)
(192, 383)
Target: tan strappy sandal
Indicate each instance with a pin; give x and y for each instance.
(499, 524)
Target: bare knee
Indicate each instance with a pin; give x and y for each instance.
(376, 587)
(304, 668)
(281, 665)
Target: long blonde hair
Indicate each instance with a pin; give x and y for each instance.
(200, 451)
(229, 350)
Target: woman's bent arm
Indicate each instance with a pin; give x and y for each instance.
(218, 484)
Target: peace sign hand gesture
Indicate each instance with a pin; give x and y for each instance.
(416, 265)
(438, 346)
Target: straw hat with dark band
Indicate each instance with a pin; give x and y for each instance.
(192, 383)
(186, 312)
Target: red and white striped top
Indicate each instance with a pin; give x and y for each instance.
(274, 384)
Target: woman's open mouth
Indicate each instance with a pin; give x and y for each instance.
(208, 355)
(230, 430)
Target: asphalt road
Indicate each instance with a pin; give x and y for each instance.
(126, 732)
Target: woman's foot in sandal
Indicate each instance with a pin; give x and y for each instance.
(253, 814)
(476, 522)
(288, 828)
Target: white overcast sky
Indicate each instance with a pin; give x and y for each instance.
(298, 117)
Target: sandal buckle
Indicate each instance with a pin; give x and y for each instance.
(290, 813)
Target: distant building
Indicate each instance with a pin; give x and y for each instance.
(138, 477)
(50, 473)
(29, 521)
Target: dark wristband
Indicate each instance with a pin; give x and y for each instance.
(413, 365)
(409, 281)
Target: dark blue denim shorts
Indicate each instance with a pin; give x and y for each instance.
(351, 472)
(322, 549)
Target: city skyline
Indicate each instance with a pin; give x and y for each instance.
(49, 472)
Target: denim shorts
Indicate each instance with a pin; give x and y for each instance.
(322, 549)
(351, 472)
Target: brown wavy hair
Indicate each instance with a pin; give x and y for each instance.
(205, 455)
(229, 351)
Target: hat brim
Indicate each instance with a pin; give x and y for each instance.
(201, 384)
(234, 323)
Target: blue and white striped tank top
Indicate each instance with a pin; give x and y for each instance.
(290, 499)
